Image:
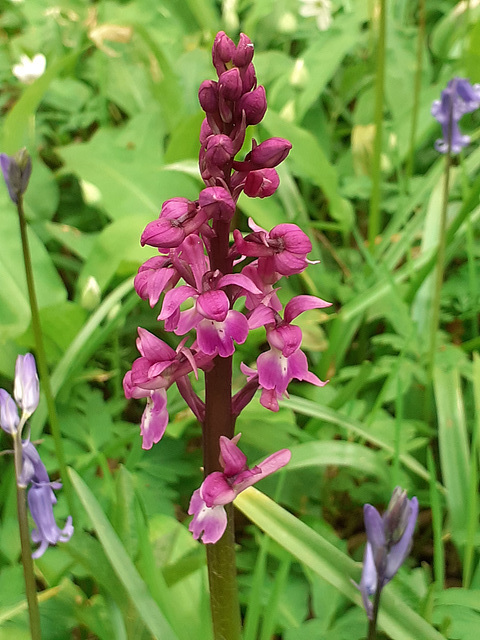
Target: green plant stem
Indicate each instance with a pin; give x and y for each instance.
(222, 574)
(440, 266)
(372, 625)
(27, 562)
(374, 221)
(417, 88)
(42, 360)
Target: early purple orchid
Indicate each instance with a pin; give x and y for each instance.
(212, 292)
(389, 540)
(218, 489)
(459, 98)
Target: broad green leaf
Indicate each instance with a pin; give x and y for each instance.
(331, 564)
(123, 167)
(118, 243)
(122, 564)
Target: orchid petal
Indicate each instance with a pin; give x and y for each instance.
(299, 304)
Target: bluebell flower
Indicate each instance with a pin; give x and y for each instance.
(33, 474)
(389, 540)
(26, 388)
(16, 172)
(459, 98)
(8, 413)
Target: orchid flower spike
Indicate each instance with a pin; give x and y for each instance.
(389, 540)
(221, 488)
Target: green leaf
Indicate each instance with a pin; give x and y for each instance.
(310, 162)
(15, 131)
(331, 564)
(453, 445)
(340, 454)
(122, 564)
(14, 303)
(350, 425)
(123, 166)
(118, 243)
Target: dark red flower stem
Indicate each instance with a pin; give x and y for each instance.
(219, 421)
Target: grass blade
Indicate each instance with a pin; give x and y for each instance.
(122, 564)
(331, 564)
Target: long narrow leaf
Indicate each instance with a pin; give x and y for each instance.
(453, 446)
(122, 564)
(396, 617)
(314, 410)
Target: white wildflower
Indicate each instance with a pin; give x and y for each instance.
(319, 9)
(27, 71)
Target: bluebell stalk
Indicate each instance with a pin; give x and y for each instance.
(459, 98)
(33, 473)
(389, 540)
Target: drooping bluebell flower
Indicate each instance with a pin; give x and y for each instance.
(459, 98)
(41, 497)
(41, 500)
(16, 172)
(389, 540)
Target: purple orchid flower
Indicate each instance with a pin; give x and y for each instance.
(217, 325)
(389, 540)
(282, 251)
(284, 361)
(221, 488)
(459, 98)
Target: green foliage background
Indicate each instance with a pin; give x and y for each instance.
(112, 127)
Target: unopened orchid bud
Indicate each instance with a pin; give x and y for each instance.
(230, 86)
(217, 203)
(16, 172)
(176, 208)
(208, 96)
(254, 104)
(222, 51)
(270, 153)
(261, 183)
(219, 150)
(163, 234)
(244, 52)
(249, 78)
(205, 132)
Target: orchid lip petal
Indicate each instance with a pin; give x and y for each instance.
(299, 304)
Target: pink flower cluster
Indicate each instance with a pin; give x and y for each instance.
(215, 288)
